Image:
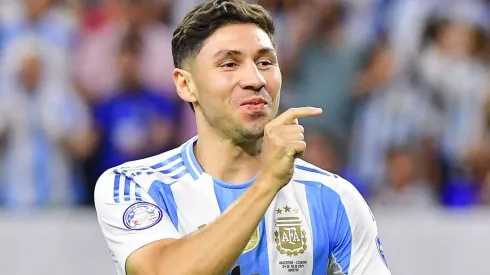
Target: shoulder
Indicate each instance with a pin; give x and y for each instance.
(138, 175)
(335, 195)
(327, 183)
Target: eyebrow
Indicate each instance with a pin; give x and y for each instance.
(236, 53)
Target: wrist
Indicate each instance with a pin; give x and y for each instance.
(267, 184)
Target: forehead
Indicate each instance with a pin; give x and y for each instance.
(248, 38)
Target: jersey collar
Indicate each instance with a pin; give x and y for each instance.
(190, 162)
(195, 169)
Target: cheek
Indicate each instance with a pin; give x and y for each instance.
(215, 92)
(274, 82)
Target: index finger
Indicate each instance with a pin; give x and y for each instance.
(294, 113)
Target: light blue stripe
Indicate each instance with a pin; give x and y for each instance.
(321, 200)
(162, 194)
(342, 252)
(116, 186)
(188, 161)
(166, 162)
(173, 168)
(180, 175)
(263, 255)
(332, 231)
(313, 170)
(255, 261)
(137, 192)
(127, 189)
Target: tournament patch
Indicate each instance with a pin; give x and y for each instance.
(142, 215)
(380, 250)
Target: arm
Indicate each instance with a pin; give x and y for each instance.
(357, 249)
(160, 250)
(213, 249)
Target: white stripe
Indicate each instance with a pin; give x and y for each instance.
(295, 198)
(145, 181)
(196, 203)
(132, 191)
(300, 193)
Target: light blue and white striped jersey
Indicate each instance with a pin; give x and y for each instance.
(317, 224)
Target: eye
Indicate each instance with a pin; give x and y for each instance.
(229, 65)
(264, 64)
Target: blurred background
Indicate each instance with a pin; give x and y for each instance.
(404, 84)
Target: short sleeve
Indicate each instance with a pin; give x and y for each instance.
(129, 217)
(357, 248)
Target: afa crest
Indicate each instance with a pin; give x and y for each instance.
(289, 234)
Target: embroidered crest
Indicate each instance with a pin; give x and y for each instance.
(142, 215)
(289, 234)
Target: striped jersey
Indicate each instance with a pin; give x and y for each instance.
(317, 224)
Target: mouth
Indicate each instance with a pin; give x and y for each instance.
(257, 101)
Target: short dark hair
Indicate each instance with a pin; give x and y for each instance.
(206, 18)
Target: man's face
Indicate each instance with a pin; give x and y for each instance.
(237, 81)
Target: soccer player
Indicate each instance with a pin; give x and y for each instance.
(235, 199)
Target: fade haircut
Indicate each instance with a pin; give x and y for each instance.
(206, 18)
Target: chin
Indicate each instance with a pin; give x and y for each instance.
(255, 131)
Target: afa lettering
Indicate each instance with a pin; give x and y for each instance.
(236, 271)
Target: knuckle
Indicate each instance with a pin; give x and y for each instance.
(301, 128)
(301, 145)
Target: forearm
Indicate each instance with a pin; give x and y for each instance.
(215, 248)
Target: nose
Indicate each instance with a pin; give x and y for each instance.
(252, 78)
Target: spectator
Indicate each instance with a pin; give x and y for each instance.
(324, 72)
(402, 187)
(322, 151)
(96, 68)
(457, 80)
(137, 121)
(478, 158)
(44, 127)
(39, 22)
(392, 111)
(469, 185)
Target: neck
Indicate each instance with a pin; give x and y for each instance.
(224, 159)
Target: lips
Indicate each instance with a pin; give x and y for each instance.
(254, 101)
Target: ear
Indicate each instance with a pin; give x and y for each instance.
(185, 85)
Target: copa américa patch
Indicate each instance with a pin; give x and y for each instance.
(142, 215)
(380, 250)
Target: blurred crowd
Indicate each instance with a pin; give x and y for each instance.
(404, 84)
